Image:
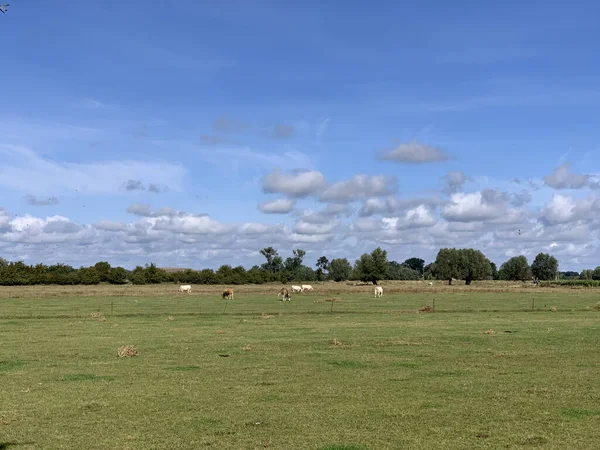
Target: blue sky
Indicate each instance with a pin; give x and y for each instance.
(136, 131)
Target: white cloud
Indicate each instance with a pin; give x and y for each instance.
(486, 205)
(419, 217)
(564, 178)
(299, 185)
(359, 187)
(455, 181)
(25, 170)
(414, 153)
(278, 206)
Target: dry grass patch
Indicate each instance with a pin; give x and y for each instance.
(333, 300)
(426, 309)
(553, 309)
(219, 332)
(128, 351)
(266, 316)
(490, 332)
(170, 318)
(596, 307)
(335, 342)
(247, 347)
(96, 315)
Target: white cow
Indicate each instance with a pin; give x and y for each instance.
(185, 288)
(378, 291)
(296, 289)
(307, 287)
(430, 283)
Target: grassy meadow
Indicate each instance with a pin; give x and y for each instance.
(498, 365)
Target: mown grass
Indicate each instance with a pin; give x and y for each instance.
(372, 374)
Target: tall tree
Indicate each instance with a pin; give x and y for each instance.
(274, 262)
(322, 267)
(339, 269)
(103, 270)
(587, 274)
(372, 267)
(448, 265)
(515, 269)
(475, 265)
(545, 267)
(415, 264)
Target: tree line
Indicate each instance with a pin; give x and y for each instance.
(451, 264)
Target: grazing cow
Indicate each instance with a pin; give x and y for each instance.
(296, 289)
(378, 291)
(306, 287)
(430, 283)
(285, 294)
(228, 294)
(185, 288)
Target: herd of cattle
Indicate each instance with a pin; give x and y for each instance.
(284, 293)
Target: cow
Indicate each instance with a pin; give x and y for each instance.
(185, 288)
(378, 291)
(430, 283)
(296, 289)
(228, 294)
(306, 287)
(285, 294)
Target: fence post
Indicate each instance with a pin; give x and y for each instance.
(532, 304)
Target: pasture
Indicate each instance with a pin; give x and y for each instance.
(252, 373)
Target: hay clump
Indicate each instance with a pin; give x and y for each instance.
(128, 351)
(426, 309)
(335, 342)
(490, 332)
(247, 347)
(553, 309)
(170, 318)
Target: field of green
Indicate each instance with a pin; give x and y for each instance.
(495, 366)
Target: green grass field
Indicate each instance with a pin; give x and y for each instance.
(358, 373)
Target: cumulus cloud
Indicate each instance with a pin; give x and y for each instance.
(454, 181)
(487, 205)
(564, 178)
(299, 185)
(414, 153)
(278, 206)
(359, 187)
(307, 227)
(25, 170)
(562, 209)
(41, 201)
(145, 210)
(419, 217)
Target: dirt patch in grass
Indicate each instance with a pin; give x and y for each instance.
(128, 351)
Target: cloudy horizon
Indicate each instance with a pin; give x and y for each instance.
(201, 154)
